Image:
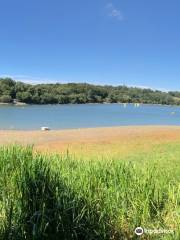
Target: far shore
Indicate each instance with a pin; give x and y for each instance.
(110, 139)
(106, 103)
(14, 104)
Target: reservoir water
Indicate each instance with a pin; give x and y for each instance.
(33, 117)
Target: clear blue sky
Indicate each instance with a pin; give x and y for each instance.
(131, 42)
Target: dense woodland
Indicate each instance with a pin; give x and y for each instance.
(12, 91)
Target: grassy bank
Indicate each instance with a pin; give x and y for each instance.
(67, 197)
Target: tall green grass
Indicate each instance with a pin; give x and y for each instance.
(62, 197)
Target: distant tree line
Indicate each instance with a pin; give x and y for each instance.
(11, 91)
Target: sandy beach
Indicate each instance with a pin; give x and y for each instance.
(93, 139)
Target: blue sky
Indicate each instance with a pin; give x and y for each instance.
(131, 42)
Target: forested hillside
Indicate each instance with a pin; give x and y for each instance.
(11, 91)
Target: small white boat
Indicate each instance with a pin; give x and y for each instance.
(45, 128)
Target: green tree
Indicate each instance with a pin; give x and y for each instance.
(5, 99)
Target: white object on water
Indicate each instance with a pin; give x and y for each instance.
(125, 105)
(136, 104)
(45, 128)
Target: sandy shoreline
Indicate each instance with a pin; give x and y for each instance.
(92, 137)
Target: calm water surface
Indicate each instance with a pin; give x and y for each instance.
(89, 115)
